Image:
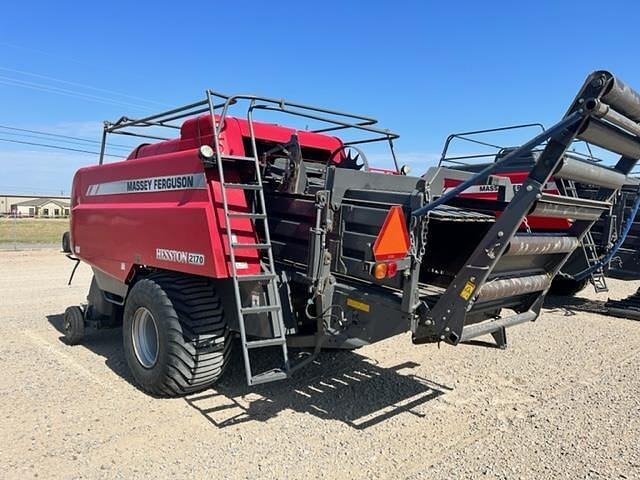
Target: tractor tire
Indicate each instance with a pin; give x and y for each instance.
(73, 325)
(66, 242)
(567, 287)
(176, 339)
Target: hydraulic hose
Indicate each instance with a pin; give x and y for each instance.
(616, 246)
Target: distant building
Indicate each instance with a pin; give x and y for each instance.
(34, 206)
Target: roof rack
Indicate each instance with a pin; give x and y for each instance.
(334, 120)
(466, 160)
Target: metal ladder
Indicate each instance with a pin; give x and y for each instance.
(597, 278)
(272, 308)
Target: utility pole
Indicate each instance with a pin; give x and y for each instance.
(15, 230)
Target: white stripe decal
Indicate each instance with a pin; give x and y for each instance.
(187, 181)
(495, 188)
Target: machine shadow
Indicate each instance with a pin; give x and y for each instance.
(570, 306)
(105, 343)
(338, 385)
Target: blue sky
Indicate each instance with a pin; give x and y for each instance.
(424, 69)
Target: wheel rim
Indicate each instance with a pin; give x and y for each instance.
(145, 337)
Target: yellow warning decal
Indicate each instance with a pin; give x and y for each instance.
(467, 291)
(358, 305)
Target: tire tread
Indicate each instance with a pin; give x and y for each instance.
(194, 321)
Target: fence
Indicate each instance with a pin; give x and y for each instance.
(23, 232)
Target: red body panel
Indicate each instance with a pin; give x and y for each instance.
(489, 192)
(115, 229)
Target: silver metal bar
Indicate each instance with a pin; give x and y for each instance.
(510, 287)
(622, 97)
(478, 329)
(590, 173)
(130, 122)
(356, 126)
(140, 135)
(563, 124)
(453, 136)
(340, 127)
(558, 206)
(103, 145)
(602, 110)
(611, 138)
(283, 103)
(541, 245)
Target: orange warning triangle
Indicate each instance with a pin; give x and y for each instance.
(393, 239)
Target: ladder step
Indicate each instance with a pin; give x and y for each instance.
(243, 186)
(258, 216)
(269, 342)
(256, 278)
(251, 245)
(260, 309)
(266, 274)
(269, 376)
(482, 328)
(238, 157)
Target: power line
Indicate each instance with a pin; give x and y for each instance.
(57, 147)
(70, 93)
(82, 85)
(54, 55)
(59, 135)
(38, 137)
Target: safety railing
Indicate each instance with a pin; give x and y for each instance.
(329, 119)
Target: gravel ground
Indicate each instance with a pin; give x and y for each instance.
(563, 401)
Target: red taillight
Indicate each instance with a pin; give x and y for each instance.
(382, 270)
(392, 269)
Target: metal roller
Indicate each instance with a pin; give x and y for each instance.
(610, 138)
(622, 98)
(557, 206)
(529, 245)
(510, 287)
(615, 114)
(590, 173)
(604, 111)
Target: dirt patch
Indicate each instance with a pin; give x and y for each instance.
(563, 401)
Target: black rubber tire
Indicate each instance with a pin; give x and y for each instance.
(193, 336)
(73, 325)
(66, 242)
(567, 287)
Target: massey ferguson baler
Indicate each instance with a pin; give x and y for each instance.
(287, 238)
(609, 248)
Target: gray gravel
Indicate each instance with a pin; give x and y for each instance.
(563, 401)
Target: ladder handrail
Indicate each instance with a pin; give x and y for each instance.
(280, 105)
(596, 275)
(272, 299)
